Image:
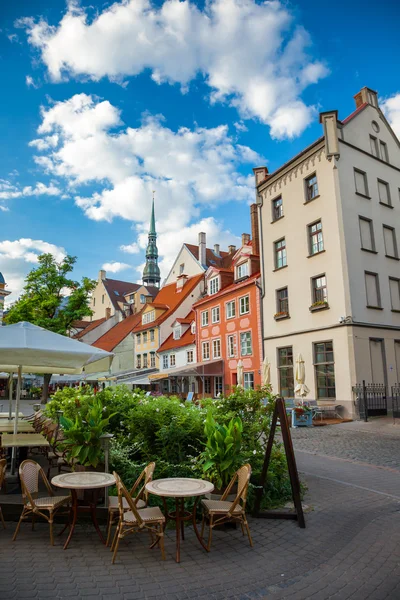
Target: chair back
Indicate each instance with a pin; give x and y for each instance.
(3, 467)
(123, 493)
(147, 476)
(242, 476)
(29, 471)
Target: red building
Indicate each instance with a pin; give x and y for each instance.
(228, 318)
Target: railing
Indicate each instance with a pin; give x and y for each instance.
(371, 399)
(396, 401)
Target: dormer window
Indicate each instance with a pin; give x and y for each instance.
(242, 270)
(177, 332)
(193, 328)
(148, 317)
(213, 286)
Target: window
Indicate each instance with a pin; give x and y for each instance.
(144, 361)
(177, 332)
(94, 301)
(384, 193)
(131, 297)
(216, 345)
(152, 335)
(148, 317)
(230, 309)
(248, 381)
(311, 187)
(172, 360)
(144, 337)
(242, 270)
(205, 350)
(282, 301)
(174, 386)
(285, 372)
(102, 299)
(277, 208)
(165, 361)
(374, 145)
(384, 151)
(207, 385)
(360, 178)
(367, 234)
(372, 290)
(138, 361)
(181, 268)
(315, 238)
(389, 236)
(204, 318)
(189, 356)
(245, 344)
(319, 291)
(324, 370)
(280, 254)
(231, 343)
(152, 359)
(217, 386)
(193, 328)
(213, 286)
(142, 299)
(138, 338)
(244, 305)
(394, 285)
(215, 314)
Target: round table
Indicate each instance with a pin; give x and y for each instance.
(83, 480)
(181, 488)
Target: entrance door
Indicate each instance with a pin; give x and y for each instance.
(376, 393)
(378, 362)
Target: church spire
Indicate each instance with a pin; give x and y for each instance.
(151, 272)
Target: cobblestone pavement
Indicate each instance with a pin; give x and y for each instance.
(350, 549)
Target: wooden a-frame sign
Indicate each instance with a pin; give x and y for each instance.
(298, 515)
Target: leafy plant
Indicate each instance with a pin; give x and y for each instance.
(222, 455)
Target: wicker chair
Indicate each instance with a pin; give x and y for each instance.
(133, 520)
(3, 467)
(222, 511)
(139, 498)
(29, 472)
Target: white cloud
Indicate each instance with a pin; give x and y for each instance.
(4, 208)
(391, 107)
(9, 190)
(131, 248)
(252, 56)
(17, 258)
(30, 82)
(115, 267)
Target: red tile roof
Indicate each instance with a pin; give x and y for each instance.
(91, 325)
(117, 289)
(116, 334)
(230, 288)
(187, 320)
(80, 324)
(353, 114)
(187, 339)
(173, 299)
(212, 260)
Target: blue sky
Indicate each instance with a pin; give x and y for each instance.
(101, 104)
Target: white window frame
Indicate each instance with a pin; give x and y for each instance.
(177, 332)
(144, 336)
(189, 354)
(241, 311)
(205, 355)
(165, 361)
(231, 349)
(213, 286)
(246, 353)
(245, 267)
(138, 339)
(215, 314)
(148, 317)
(231, 303)
(152, 360)
(216, 348)
(172, 360)
(218, 385)
(193, 328)
(204, 318)
(145, 361)
(152, 335)
(246, 377)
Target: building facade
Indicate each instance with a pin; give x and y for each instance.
(329, 221)
(3, 294)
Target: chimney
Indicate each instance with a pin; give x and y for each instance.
(202, 249)
(260, 173)
(366, 96)
(330, 126)
(102, 275)
(180, 282)
(232, 249)
(245, 239)
(108, 313)
(255, 234)
(216, 249)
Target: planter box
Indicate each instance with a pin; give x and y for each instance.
(304, 420)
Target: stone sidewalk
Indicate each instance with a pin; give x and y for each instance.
(350, 549)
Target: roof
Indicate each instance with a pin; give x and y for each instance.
(173, 299)
(354, 113)
(226, 290)
(116, 334)
(2, 280)
(188, 319)
(212, 260)
(117, 289)
(80, 324)
(92, 325)
(187, 339)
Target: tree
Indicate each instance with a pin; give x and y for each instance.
(52, 300)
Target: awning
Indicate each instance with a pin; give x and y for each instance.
(203, 369)
(136, 381)
(157, 376)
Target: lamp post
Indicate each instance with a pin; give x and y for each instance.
(36, 407)
(105, 439)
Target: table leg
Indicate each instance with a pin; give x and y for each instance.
(182, 521)
(178, 529)
(195, 524)
(93, 506)
(74, 509)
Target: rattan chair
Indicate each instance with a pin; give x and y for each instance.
(3, 467)
(139, 498)
(222, 511)
(145, 519)
(29, 472)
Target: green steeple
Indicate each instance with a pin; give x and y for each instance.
(151, 272)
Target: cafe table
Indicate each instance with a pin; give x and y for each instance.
(181, 488)
(7, 426)
(79, 481)
(23, 440)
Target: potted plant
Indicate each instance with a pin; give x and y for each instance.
(318, 305)
(301, 416)
(281, 315)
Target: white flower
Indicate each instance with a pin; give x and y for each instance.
(254, 451)
(157, 410)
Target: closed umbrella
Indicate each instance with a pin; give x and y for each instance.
(30, 349)
(266, 372)
(240, 373)
(301, 389)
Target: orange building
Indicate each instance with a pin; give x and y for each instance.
(228, 318)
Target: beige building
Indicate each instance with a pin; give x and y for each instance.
(330, 221)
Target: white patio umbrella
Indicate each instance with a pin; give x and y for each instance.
(30, 349)
(301, 389)
(266, 372)
(240, 373)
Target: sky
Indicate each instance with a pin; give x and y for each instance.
(101, 103)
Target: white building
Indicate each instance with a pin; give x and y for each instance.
(330, 221)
